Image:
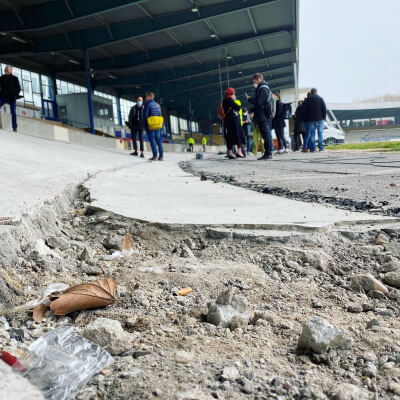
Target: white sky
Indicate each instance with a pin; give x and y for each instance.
(350, 49)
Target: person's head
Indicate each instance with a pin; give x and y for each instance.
(139, 101)
(301, 102)
(245, 110)
(277, 95)
(314, 91)
(230, 92)
(149, 96)
(8, 70)
(308, 94)
(257, 79)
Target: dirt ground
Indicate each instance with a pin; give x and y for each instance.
(168, 350)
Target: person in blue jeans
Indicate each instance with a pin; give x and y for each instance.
(311, 128)
(153, 109)
(314, 109)
(9, 91)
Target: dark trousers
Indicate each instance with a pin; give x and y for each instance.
(297, 141)
(280, 135)
(137, 131)
(265, 133)
(13, 108)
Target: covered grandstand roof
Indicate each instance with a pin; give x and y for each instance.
(351, 111)
(181, 49)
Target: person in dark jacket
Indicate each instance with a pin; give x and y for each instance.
(262, 112)
(278, 124)
(299, 128)
(9, 91)
(136, 125)
(232, 123)
(151, 108)
(314, 118)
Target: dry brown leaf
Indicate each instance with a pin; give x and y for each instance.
(185, 291)
(94, 294)
(127, 244)
(39, 311)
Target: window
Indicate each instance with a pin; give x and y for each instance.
(183, 124)
(64, 87)
(47, 88)
(125, 108)
(174, 125)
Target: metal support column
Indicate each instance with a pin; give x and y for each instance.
(119, 115)
(53, 96)
(296, 84)
(210, 128)
(89, 91)
(190, 118)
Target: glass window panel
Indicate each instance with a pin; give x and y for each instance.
(26, 75)
(35, 82)
(27, 91)
(37, 101)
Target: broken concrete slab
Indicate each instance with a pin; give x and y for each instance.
(204, 203)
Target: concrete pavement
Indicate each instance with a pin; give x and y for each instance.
(162, 192)
(34, 171)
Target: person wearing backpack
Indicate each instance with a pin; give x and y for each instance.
(262, 112)
(232, 126)
(154, 123)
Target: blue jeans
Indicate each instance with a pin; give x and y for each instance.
(13, 107)
(155, 141)
(271, 139)
(311, 127)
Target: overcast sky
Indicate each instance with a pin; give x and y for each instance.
(350, 49)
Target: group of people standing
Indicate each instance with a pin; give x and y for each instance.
(140, 119)
(269, 113)
(310, 118)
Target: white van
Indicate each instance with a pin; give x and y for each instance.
(332, 135)
(333, 132)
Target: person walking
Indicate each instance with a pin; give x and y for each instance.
(9, 92)
(232, 123)
(136, 125)
(204, 143)
(262, 111)
(314, 118)
(278, 124)
(154, 123)
(191, 142)
(299, 128)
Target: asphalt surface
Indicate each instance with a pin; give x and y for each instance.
(351, 180)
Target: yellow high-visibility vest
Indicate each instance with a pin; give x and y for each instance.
(240, 111)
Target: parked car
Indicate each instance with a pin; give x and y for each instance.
(332, 135)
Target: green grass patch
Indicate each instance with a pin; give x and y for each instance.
(387, 146)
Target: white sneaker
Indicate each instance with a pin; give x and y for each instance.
(286, 151)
